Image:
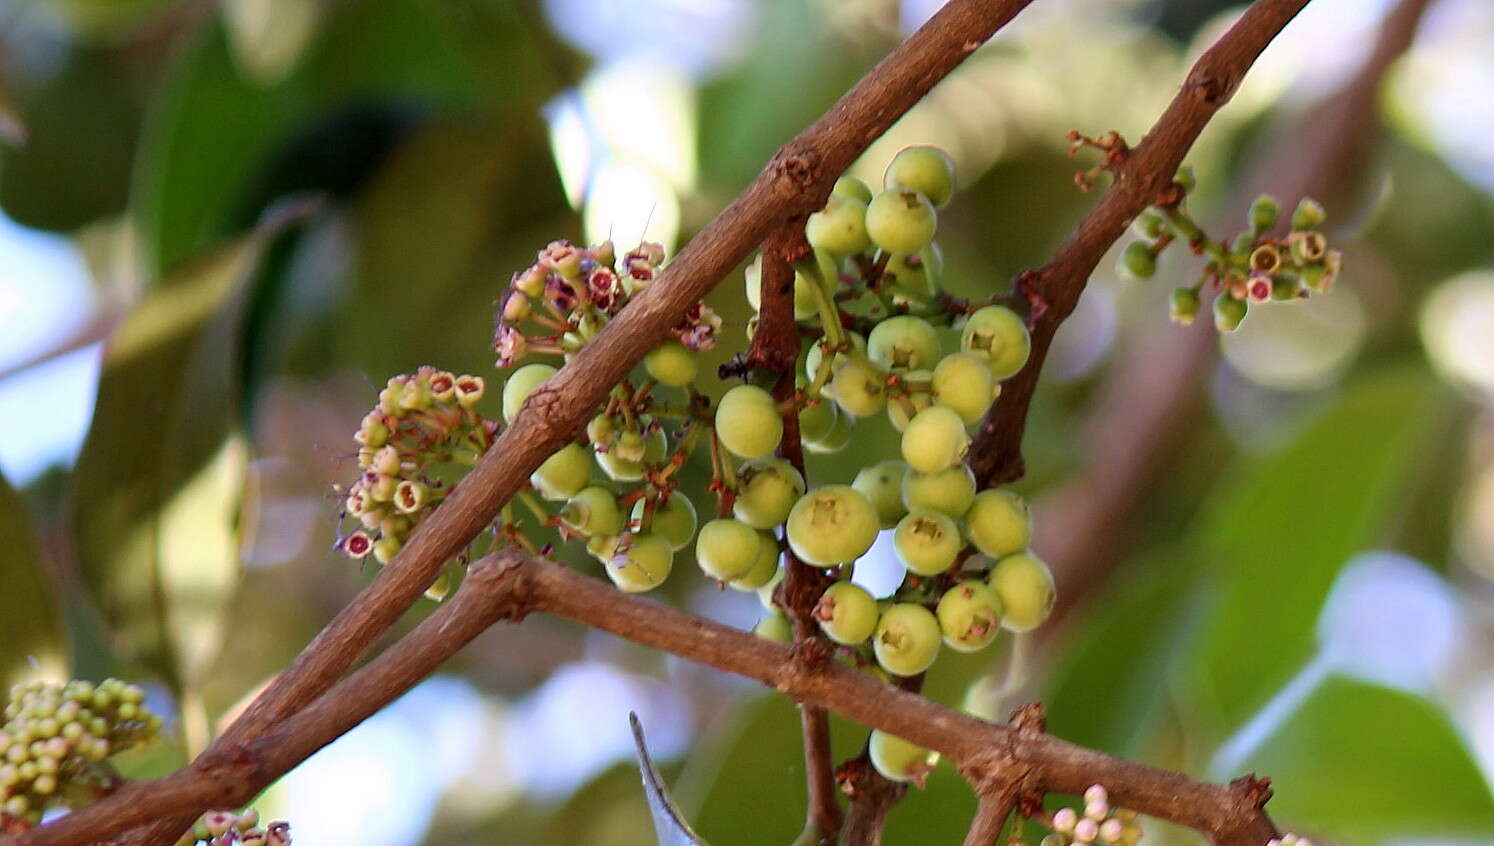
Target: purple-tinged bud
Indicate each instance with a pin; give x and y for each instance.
(357, 545)
(563, 257)
(1258, 289)
(1064, 820)
(510, 345)
(1086, 830)
(516, 306)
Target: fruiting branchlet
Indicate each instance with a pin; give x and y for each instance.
(56, 740)
(227, 828)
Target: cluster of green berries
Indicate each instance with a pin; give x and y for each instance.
(55, 741)
(226, 828)
(1255, 267)
(1097, 823)
(424, 421)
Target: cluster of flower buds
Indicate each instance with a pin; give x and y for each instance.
(558, 304)
(56, 736)
(423, 420)
(226, 828)
(1255, 267)
(1099, 823)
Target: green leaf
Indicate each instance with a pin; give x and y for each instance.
(214, 130)
(33, 642)
(669, 822)
(1371, 764)
(1277, 539)
(156, 488)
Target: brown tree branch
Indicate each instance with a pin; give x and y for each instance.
(1153, 395)
(795, 182)
(996, 757)
(990, 815)
(1141, 177)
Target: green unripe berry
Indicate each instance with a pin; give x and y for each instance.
(592, 511)
(906, 640)
(847, 613)
(950, 491)
(850, 186)
(564, 473)
(521, 383)
(775, 627)
(927, 542)
(969, 615)
(840, 227)
(837, 438)
(903, 342)
(901, 221)
(882, 484)
(1313, 277)
(671, 363)
(1183, 306)
(621, 469)
(1137, 262)
(1263, 212)
(858, 388)
(1185, 178)
(898, 760)
(764, 567)
(748, 423)
(816, 354)
(996, 334)
(934, 440)
(834, 524)
(902, 408)
(1308, 215)
(726, 549)
(767, 490)
(999, 523)
(674, 521)
(817, 419)
(806, 304)
(1025, 586)
(1150, 224)
(640, 563)
(1229, 312)
(927, 170)
(602, 547)
(963, 382)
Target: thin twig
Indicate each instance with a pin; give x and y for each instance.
(990, 816)
(1140, 178)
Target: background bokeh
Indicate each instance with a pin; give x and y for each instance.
(222, 225)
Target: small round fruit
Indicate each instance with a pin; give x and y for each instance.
(963, 382)
(816, 354)
(858, 388)
(906, 640)
(726, 549)
(835, 524)
(850, 186)
(903, 342)
(840, 227)
(934, 440)
(999, 523)
(1229, 312)
(882, 483)
(767, 490)
(1137, 262)
(998, 335)
(837, 438)
(901, 221)
(898, 760)
(640, 563)
(748, 423)
(564, 473)
(620, 469)
(927, 542)
(1025, 585)
(521, 383)
(592, 511)
(671, 363)
(969, 615)
(847, 614)
(817, 420)
(948, 492)
(927, 170)
(916, 274)
(764, 567)
(901, 409)
(775, 627)
(673, 521)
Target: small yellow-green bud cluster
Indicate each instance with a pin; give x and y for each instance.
(226, 828)
(55, 736)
